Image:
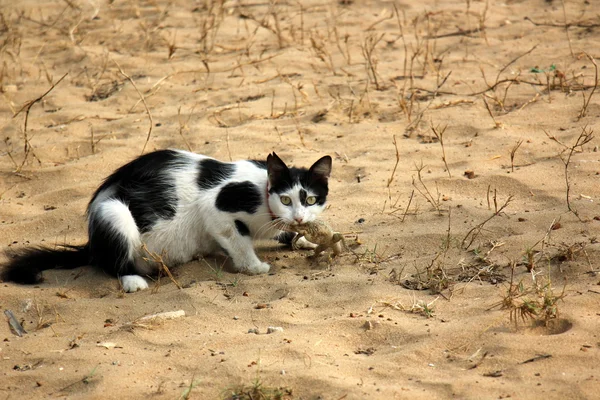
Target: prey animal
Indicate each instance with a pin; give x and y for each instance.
(319, 233)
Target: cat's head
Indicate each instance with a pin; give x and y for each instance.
(297, 195)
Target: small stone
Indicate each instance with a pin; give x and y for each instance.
(253, 330)
(163, 316)
(470, 174)
(273, 329)
(368, 325)
(107, 345)
(260, 306)
(235, 317)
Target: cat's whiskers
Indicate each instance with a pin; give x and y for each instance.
(277, 223)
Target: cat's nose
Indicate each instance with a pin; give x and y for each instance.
(298, 219)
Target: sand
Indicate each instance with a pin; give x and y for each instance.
(414, 308)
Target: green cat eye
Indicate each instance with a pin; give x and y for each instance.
(285, 200)
(311, 200)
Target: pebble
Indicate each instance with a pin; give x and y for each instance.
(253, 330)
(470, 174)
(273, 329)
(164, 315)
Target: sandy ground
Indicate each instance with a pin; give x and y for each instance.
(415, 309)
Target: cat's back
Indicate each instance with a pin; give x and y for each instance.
(164, 174)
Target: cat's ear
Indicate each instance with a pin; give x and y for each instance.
(321, 170)
(276, 169)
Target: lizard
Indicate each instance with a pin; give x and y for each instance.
(321, 234)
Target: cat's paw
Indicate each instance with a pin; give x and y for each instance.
(260, 268)
(303, 244)
(133, 283)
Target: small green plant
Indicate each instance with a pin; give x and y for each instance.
(423, 308)
(373, 256)
(536, 302)
(217, 270)
(258, 391)
(185, 395)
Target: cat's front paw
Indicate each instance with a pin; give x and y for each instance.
(133, 283)
(260, 268)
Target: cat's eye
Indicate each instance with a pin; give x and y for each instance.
(285, 200)
(311, 200)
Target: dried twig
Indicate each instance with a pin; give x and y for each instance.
(439, 134)
(143, 101)
(584, 138)
(391, 178)
(513, 151)
(27, 107)
(586, 103)
(476, 230)
(163, 266)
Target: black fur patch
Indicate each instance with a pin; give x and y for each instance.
(242, 228)
(144, 186)
(109, 251)
(239, 196)
(303, 195)
(213, 172)
(26, 265)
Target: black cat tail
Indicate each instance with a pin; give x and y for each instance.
(26, 265)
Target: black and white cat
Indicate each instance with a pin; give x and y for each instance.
(182, 205)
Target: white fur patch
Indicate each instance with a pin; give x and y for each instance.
(133, 283)
(295, 212)
(260, 268)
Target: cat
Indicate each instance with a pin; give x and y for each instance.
(182, 205)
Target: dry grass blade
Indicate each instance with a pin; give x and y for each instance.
(27, 107)
(513, 151)
(476, 230)
(143, 99)
(586, 103)
(424, 190)
(584, 138)
(163, 267)
(439, 134)
(391, 178)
